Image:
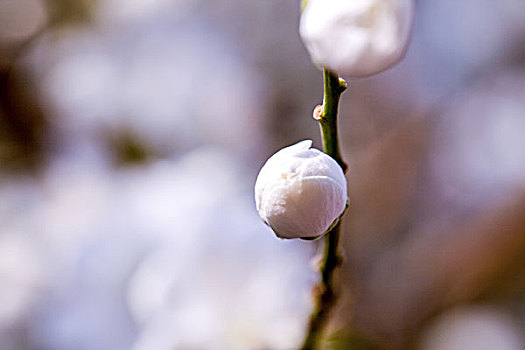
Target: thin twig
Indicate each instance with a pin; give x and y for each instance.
(325, 296)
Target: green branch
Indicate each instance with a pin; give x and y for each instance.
(333, 88)
(325, 296)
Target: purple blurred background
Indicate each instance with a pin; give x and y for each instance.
(131, 133)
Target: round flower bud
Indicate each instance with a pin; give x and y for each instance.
(356, 38)
(300, 192)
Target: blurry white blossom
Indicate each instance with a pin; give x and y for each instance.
(170, 254)
(23, 268)
(207, 298)
(157, 81)
(22, 275)
(462, 45)
(300, 191)
(474, 328)
(356, 38)
(123, 11)
(77, 200)
(479, 149)
(212, 280)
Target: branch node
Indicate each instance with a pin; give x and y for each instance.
(318, 112)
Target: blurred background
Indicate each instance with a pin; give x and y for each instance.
(131, 133)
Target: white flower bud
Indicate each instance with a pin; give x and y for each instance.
(356, 38)
(300, 191)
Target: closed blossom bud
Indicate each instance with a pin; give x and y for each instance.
(356, 38)
(300, 192)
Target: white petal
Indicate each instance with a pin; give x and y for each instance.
(359, 37)
(300, 191)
